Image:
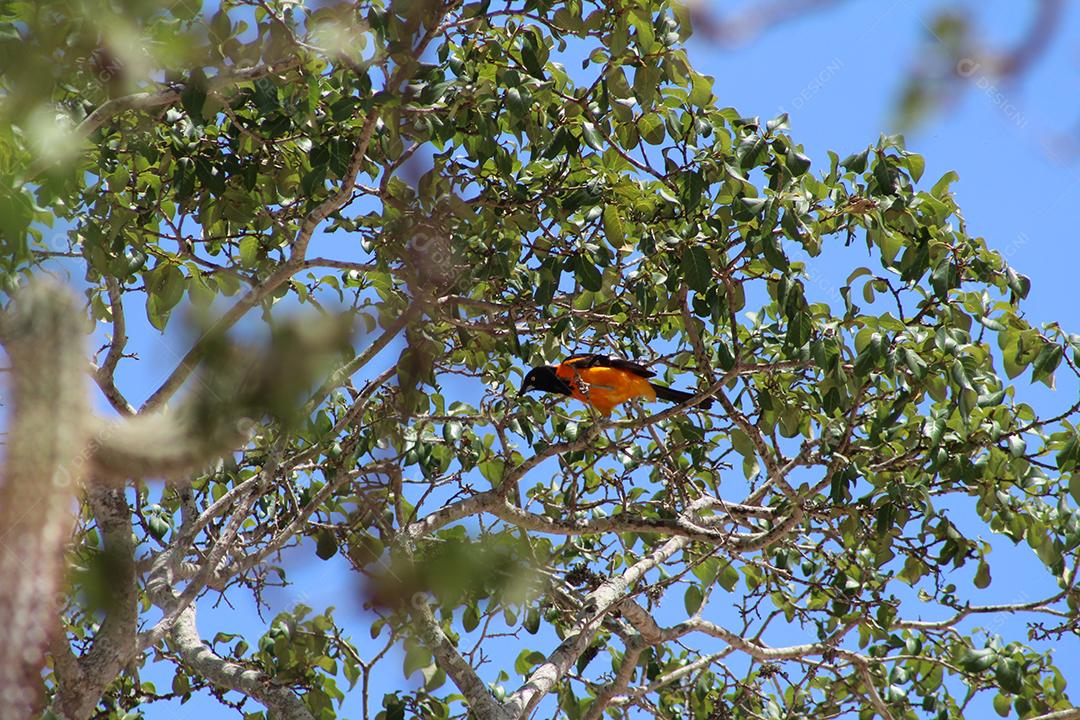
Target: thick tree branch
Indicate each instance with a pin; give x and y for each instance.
(1067, 714)
(1033, 606)
(674, 527)
(480, 700)
(339, 376)
(77, 694)
(597, 604)
(198, 582)
(282, 703)
(755, 649)
(671, 677)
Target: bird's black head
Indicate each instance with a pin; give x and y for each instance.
(544, 378)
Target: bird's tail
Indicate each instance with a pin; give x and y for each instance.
(677, 396)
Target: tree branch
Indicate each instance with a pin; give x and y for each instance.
(104, 375)
(597, 604)
(77, 694)
(197, 351)
(863, 668)
(480, 700)
(197, 656)
(292, 530)
(622, 679)
(1068, 714)
(676, 527)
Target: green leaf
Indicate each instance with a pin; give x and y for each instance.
(326, 544)
(1019, 284)
(856, 162)
(545, 290)
(956, 371)
(159, 527)
(452, 432)
(180, 684)
(1069, 455)
(1045, 363)
(692, 599)
(1047, 550)
(1002, 705)
(588, 274)
(916, 164)
(778, 123)
(858, 273)
(592, 136)
(119, 178)
(643, 35)
(158, 317)
(249, 250)
(528, 659)
(941, 187)
(434, 677)
(752, 151)
(646, 83)
(651, 127)
(417, 657)
(470, 618)
(797, 163)
(696, 268)
(515, 103)
(741, 442)
(725, 358)
(728, 577)
(492, 470)
(532, 621)
(531, 60)
(914, 363)
(885, 519)
(975, 661)
(1008, 676)
(613, 227)
(193, 96)
(706, 570)
(701, 90)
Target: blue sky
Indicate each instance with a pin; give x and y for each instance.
(836, 72)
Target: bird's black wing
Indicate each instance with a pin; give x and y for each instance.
(591, 360)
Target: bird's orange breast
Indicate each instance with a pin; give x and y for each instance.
(604, 387)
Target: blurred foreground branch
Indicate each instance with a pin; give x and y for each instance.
(56, 444)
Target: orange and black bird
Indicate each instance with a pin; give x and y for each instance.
(601, 381)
